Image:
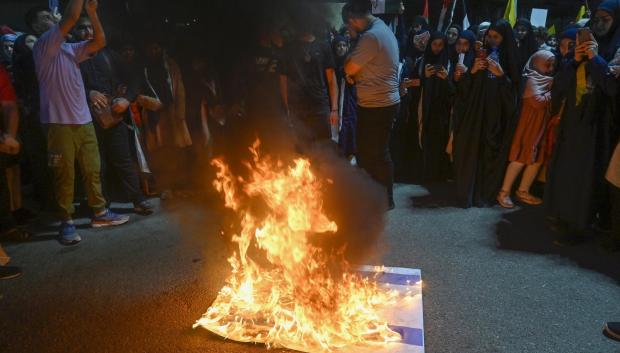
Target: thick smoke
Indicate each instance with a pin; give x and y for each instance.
(355, 202)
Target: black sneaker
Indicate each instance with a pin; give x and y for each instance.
(143, 208)
(9, 272)
(612, 330)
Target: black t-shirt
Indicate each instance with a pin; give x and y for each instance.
(305, 67)
(268, 67)
(264, 79)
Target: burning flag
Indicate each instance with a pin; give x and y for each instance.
(284, 290)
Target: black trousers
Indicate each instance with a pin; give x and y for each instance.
(615, 211)
(7, 221)
(374, 127)
(117, 164)
(34, 137)
(314, 127)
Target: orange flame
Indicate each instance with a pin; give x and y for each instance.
(291, 300)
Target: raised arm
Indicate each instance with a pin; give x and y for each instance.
(71, 16)
(99, 41)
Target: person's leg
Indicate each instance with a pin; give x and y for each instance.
(89, 161)
(385, 166)
(102, 142)
(7, 272)
(90, 164)
(120, 163)
(6, 217)
(61, 147)
(13, 175)
(529, 176)
(373, 137)
(523, 193)
(36, 148)
(512, 172)
(615, 212)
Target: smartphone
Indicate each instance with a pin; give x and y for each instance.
(482, 53)
(584, 35)
(438, 67)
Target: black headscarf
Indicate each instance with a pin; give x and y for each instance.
(26, 82)
(608, 44)
(569, 33)
(458, 28)
(412, 51)
(528, 45)
(339, 60)
(452, 47)
(158, 74)
(420, 21)
(470, 56)
(431, 58)
(507, 50)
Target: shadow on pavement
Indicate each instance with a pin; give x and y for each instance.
(439, 195)
(526, 230)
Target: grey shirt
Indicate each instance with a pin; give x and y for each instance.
(377, 53)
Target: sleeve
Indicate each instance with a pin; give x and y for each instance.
(80, 51)
(328, 58)
(48, 45)
(561, 83)
(7, 92)
(365, 50)
(601, 75)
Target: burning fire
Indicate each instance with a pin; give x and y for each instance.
(291, 293)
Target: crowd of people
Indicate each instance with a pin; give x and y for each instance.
(483, 107)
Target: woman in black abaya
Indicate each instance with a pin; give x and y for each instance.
(526, 41)
(576, 194)
(484, 119)
(434, 110)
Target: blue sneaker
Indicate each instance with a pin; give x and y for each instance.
(108, 219)
(68, 235)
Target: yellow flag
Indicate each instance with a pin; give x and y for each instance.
(510, 14)
(582, 12)
(551, 31)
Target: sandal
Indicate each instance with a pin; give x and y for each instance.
(504, 200)
(528, 198)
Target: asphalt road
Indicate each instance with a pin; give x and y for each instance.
(493, 282)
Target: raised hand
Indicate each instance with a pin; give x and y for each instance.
(91, 5)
